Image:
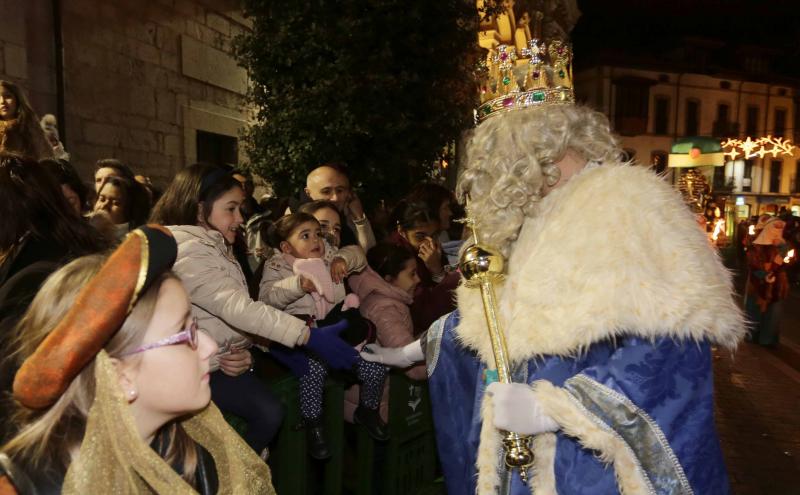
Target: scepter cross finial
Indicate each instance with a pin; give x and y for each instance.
(469, 220)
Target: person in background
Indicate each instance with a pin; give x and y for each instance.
(201, 207)
(20, 131)
(124, 201)
(417, 230)
(768, 284)
(49, 125)
(40, 233)
(439, 199)
(330, 221)
(386, 290)
(113, 395)
(111, 167)
(331, 182)
(250, 207)
(72, 186)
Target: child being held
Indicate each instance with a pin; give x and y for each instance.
(305, 278)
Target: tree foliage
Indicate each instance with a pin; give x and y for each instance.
(383, 85)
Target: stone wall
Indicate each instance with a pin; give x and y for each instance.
(140, 78)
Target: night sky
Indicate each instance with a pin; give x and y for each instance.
(651, 30)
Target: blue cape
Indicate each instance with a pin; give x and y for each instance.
(656, 395)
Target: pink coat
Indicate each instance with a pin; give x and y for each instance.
(388, 308)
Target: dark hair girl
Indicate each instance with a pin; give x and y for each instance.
(126, 202)
(20, 131)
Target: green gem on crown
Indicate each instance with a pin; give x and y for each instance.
(538, 96)
(506, 80)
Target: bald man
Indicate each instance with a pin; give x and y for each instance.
(330, 182)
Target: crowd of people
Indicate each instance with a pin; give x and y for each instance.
(304, 284)
(134, 317)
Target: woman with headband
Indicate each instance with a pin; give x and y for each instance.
(113, 393)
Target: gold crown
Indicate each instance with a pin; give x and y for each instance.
(532, 72)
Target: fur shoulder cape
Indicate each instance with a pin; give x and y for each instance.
(613, 252)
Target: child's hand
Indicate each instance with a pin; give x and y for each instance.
(338, 270)
(430, 252)
(236, 363)
(307, 285)
(354, 208)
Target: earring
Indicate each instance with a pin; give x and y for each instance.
(132, 394)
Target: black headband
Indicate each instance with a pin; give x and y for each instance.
(212, 178)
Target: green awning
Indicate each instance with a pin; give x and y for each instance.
(696, 152)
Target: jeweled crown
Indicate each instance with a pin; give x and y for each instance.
(524, 69)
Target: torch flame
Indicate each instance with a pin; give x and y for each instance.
(789, 256)
(718, 226)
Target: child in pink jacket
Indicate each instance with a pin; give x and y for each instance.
(386, 289)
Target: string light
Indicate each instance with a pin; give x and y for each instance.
(760, 147)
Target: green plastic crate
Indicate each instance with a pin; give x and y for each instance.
(294, 472)
(407, 463)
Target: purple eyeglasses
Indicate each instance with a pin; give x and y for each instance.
(188, 335)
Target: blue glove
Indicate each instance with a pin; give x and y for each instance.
(325, 343)
(294, 359)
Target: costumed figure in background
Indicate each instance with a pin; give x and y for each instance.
(611, 301)
(114, 391)
(767, 284)
(49, 125)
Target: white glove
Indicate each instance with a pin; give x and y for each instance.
(397, 357)
(517, 409)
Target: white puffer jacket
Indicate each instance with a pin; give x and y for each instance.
(218, 291)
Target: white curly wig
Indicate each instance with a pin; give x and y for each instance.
(509, 158)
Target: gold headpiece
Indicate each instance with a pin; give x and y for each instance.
(532, 71)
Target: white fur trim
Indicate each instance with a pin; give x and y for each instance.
(544, 458)
(490, 451)
(613, 252)
(580, 424)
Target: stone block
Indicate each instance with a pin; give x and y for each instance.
(239, 17)
(16, 63)
(186, 8)
(103, 134)
(83, 8)
(157, 77)
(12, 25)
(192, 28)
(163, 127)
(166, 107)
(177, 82)
(173, 145)
(141, 31)
(139, 139)
(142, 101)
(212, 66)
(213, 38)
(167, 40)
(170, 61)
(147, 53)
(218, 23)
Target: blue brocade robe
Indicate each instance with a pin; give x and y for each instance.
(657, 395)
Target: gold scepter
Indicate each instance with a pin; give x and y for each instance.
(481, 267)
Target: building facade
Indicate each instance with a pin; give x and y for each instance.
(650, 109)
(151, 83)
